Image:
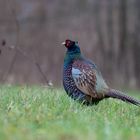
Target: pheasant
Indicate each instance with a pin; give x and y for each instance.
(83, 81)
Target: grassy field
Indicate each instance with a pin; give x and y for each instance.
(35, 113)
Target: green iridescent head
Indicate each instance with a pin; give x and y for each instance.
(72, 46)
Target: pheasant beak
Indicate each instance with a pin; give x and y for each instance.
(63, 43)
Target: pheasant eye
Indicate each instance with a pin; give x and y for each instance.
(68, 43)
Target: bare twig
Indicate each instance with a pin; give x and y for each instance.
(13, 10)
(32, 60)
(19, 50)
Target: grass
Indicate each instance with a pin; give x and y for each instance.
(36, 113)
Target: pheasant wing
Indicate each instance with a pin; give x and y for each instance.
(88, 79)
(84, 77)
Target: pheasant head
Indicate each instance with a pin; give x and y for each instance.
(72, 46)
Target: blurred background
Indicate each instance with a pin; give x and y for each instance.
(108, 32)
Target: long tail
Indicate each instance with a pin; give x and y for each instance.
(120, 95)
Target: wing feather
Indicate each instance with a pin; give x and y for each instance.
(84, 77)
(87, 79)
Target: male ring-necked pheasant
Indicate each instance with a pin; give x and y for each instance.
(83, 81)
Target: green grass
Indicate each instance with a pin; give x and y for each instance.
(35, 113)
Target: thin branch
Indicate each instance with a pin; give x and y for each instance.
(32, 60)
(18, 50)
(13, 10)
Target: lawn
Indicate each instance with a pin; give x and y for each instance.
(38, 113)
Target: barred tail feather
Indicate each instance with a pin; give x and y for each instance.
(120, 95)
